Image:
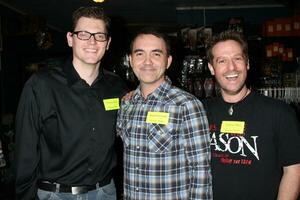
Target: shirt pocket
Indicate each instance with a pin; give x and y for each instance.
(162, 138)
(124, 134)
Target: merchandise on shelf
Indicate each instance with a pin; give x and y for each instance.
(288, 26)
(196, 78)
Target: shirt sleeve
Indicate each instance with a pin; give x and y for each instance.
(119, 122)
(27, 153)
(288, 136)
(120, 119)
(197, 147)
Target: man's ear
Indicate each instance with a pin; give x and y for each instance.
(169, 61)
(129, 58)
(108, 43)
(211, 69)
(70, 39)
(248, 65)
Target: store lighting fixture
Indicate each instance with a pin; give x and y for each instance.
(98, 1)
(187, 8)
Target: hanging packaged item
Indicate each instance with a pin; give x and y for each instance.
(209, 87)
(2, 159)
(196, 78)
(198, 88)
(236, 24)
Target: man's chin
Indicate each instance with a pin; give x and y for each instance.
(92, 61)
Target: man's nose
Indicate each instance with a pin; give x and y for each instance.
(92, 39)
(231, 64)
(148, 59)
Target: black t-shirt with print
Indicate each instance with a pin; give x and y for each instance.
(256, 141)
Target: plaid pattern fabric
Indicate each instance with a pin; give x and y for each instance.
(165, 161)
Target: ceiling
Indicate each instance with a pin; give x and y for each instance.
(132, 12)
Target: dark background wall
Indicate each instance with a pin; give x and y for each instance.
(20, 35)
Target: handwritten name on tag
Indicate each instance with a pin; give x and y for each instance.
(158, 118)
(234, 127)
(111, 104)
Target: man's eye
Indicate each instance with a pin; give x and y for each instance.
(83, 34)
(238, 58)
(222, 61)
(100, 36)
(138, 54)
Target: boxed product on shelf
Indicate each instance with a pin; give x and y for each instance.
(282, 27)
(269, 28)
(277, 49)
(296, 25)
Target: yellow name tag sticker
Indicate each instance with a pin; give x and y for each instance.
(157, 118)
(233, 127)
(111, 104)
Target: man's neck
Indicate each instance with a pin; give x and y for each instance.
(147, 89)
(234, 98)
(88, 72)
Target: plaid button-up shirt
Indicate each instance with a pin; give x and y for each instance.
(165, 160)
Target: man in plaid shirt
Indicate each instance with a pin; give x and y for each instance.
(164, 130)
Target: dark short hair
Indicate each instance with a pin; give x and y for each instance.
(224, 36)
(90, 12)
(152, 31)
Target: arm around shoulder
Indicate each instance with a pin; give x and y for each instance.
(197, 142)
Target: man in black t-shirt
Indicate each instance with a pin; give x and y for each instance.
(255, 140)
